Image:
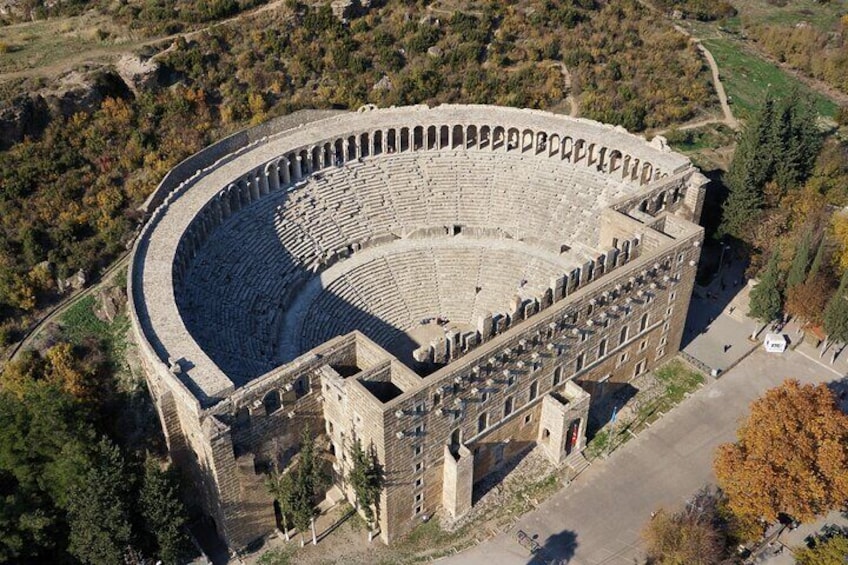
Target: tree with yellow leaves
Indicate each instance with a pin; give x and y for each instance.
(839, 228)
(790, 455)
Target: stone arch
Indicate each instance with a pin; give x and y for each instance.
(528, 139)
(315, 159)
(244, 192)
(432, 137)
(498, 137)
(625, 166)
(634, 169)
(233, 203)
(305, 161)
(554, 144)
(676, 195)
(471, 137)
(541, 142)
(485, 137)
(591, 153)
(392, 141)
(339, 156)
(404, 139)
(329, 150)
(568, 148)
(660, 203)
(378, 142)
(351, 148)
(444, 137)
(572, 436)
(614, 160)
(242, 419)
(643, 206)
(602, 159)
(457, 137)
(418, 141)
(579, 150)
(513, 139)
(364, 145)
(647, 171)
(272, 401)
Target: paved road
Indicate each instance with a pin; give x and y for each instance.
(597, 519)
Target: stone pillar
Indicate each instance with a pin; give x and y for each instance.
(457, 481)
(484, 326)
(612, 256)
(253, 186)
(558, 287)
(298, 171)
(562, 424)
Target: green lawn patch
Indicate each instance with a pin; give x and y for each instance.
(675, 380)
(748, 78)
(80, 325)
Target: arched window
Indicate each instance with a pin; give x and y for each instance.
(272, 401)
(482, 422)
(643, 323)
(623, 336)
(602, 348)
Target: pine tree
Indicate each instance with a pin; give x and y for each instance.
(163, 511)
(98, 509)
(747, 175)
(780, 144)
(765, 298)
(798, 270)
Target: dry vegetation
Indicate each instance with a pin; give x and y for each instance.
(69, 197)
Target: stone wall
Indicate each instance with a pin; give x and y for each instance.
(435, 436)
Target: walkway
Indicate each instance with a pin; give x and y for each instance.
(599, 518)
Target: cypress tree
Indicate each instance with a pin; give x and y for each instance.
(817, 261)
(836, 313)
(765, 298)
(798, 270)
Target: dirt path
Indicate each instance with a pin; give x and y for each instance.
(729, 118)
(110, 53)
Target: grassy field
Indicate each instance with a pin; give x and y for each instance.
(822, 15)
(676, 380)
(79, 324)
(45, 42)
(747, 78)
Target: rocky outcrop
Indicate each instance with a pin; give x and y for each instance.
(138, 73)
(109, 302)
(76, 91)
(74, 282)
(25, 116)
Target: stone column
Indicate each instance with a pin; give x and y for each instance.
(457, 481)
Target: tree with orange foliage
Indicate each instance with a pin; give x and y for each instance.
(790, 456)
(809, 299)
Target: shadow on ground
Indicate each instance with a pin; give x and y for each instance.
(558, 549)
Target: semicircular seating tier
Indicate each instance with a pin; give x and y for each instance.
(252, 267)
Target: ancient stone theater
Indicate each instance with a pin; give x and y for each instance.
(450, 286)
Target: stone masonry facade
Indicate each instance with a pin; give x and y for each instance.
(527, 375)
